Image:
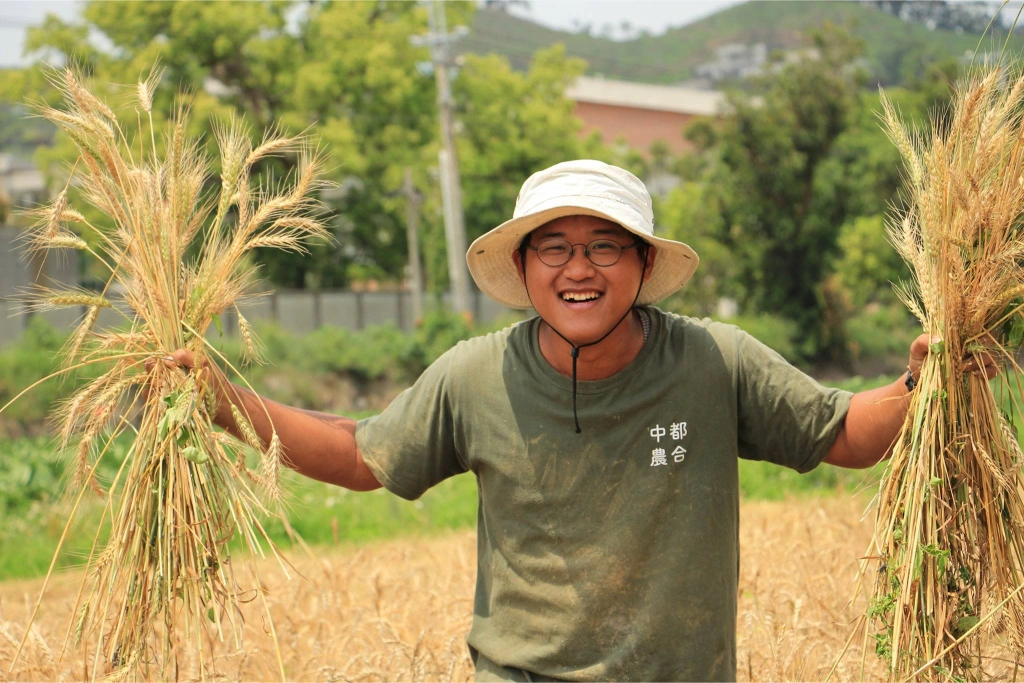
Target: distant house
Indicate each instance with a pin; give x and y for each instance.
(641, 113)
(22, 185)
(734, 60)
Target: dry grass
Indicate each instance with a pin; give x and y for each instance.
(401, 610)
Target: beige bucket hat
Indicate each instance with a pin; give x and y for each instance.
(573, 188)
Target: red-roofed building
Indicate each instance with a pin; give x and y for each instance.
(641, 113)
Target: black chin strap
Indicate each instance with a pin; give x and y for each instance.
(575, 353)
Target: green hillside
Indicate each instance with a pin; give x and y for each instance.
(894, 50)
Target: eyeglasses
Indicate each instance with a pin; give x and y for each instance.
(604, 252)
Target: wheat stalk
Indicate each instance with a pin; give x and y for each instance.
(950, 507)
(179, 254)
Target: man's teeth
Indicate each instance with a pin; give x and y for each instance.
(572, 296)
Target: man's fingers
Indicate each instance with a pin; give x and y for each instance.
(183, 358)
(919, 350)
(177, 360)
(919, 347)
(983, 363)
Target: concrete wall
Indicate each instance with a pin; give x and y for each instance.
(299, 312)
(18, 273)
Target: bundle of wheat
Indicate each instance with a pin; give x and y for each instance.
(950, 511)
(179, 252)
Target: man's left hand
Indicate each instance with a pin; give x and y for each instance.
(981, 361)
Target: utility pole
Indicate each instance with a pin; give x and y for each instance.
(439, 41)
(412, 228)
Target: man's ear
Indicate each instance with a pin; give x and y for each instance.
(652, 252)
(517, 258)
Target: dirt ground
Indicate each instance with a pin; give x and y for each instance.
(400, 610)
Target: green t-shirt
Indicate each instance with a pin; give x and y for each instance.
(611, 554)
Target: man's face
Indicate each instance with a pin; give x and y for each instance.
(579, 299)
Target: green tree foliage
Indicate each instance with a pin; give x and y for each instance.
(868, 265)
(800, 177)
(501, 145)
(347, 72)
(780, 212)
(687, 215)
(868, 169)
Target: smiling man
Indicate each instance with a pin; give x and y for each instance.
(604, 435)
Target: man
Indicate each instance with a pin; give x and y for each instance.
(604, 436)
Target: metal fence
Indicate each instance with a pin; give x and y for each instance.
(299, 312)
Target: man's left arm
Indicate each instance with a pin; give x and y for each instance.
(876, 416)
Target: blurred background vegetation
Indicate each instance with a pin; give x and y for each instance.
(784, 195)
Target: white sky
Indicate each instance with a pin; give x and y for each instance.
(653, 15)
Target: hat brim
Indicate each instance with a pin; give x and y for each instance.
(492, 266)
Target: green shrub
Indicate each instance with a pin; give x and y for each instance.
(858, 383)
(868, 262)
(774, 332)
(328, 349)
(387, 352)
(767, 481)
(30, 359)
(440, 331)
(881, 331)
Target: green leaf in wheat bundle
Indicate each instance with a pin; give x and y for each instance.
(194, 454)
(217, 323)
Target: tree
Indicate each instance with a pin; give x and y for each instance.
(513, 124)
(345, 70)
(348, 72)
(780, 213)
(868, 263)
(688, 216)
(868, 168)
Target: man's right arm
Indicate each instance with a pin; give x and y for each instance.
(317, 445)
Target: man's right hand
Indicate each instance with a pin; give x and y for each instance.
(318, 445)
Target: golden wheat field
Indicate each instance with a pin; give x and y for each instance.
(399, 610)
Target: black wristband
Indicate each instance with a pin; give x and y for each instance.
(910, 382)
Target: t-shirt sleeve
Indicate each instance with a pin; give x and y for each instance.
(411, 446)
(785, 416)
